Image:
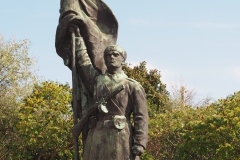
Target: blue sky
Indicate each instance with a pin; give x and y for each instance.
(197, 42)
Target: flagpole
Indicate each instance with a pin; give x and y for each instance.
(74, 95)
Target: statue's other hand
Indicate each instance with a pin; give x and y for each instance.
(137, 150)
(74, 29)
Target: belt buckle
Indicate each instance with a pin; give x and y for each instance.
(119, 122)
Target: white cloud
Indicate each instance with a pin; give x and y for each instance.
(167, 75)
(197, 24)
(236, 73)
(7, 11)
(136, 21)
(212, 25)
(139, 21)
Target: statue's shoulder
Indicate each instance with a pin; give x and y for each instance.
(135, 85)
(133, 81)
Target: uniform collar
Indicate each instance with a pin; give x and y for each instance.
(117, 76)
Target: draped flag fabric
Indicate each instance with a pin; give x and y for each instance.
(98, 27)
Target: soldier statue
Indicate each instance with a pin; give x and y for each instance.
(120, 131)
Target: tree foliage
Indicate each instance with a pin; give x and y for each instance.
(45, 120)
(157, 95)
(37, 125)
(16, 69)
(215, 134)
(208, 132)
(16, 81)
(182, 96)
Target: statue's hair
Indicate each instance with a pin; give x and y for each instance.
(116, 48)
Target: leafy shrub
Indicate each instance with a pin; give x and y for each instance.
(215, 133)
(211, 132)
(45, 120)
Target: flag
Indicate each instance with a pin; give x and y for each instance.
(98, 27)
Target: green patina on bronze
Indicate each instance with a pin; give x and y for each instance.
(120, 133)
(99, 28)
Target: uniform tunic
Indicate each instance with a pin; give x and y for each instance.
(112, 135)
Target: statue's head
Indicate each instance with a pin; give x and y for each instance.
(114, 57)
(116, 48)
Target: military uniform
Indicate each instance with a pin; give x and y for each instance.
(111, 135)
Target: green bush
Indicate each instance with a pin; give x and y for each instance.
(16, 81)
(45, 120)
(215, 133)
(211, 132)
(165, 133)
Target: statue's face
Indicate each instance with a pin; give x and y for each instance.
(113, 59)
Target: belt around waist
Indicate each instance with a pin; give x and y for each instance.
(110, 117)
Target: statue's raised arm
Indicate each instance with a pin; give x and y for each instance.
(97, 24)
(85, 39)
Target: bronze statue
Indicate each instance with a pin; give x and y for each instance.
(115, 127)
